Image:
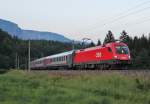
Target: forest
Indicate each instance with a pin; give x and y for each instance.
(14, 51)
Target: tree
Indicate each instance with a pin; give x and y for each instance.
(99, 43)
(142, 60)
(90, 45)
(9, 46)
(109, 37)
(124, 37)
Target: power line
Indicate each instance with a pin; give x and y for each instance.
(123, 15)
(136, 6)
(140, 22)
(132, 13)
(136, 23)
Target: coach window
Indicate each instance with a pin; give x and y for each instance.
(64, 58)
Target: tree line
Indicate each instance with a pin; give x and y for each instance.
(14, 51)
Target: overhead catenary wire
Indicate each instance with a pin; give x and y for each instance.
(131, 25)
(136, 6)
(132, 13)
(135, 12)
(122, 15)
(138, 23)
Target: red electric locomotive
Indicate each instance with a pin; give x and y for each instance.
(110, 55)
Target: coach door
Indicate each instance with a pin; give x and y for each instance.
(69, 60)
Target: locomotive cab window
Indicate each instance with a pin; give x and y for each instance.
(122, 50)
(109, 49)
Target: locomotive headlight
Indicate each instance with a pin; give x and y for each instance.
(129, 56)
(115, 57)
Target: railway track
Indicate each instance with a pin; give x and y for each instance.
(93, 72)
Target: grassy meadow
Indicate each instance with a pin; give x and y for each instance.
(19, 87)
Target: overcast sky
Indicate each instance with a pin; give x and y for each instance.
(77, 19)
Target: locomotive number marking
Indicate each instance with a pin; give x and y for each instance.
(98, 54)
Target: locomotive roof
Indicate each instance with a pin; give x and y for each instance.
(101, 46)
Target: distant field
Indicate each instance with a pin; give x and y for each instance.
(18, 87)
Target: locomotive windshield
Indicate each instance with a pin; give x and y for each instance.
(122, 50)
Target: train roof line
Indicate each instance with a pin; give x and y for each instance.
(55, 55)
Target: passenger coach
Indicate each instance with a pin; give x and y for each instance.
(53, 61)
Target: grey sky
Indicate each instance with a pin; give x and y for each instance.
(77, 19)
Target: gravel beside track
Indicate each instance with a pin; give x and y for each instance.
(144, 73)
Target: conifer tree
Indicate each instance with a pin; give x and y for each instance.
(99, 42)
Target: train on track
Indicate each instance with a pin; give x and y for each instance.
(108, 56)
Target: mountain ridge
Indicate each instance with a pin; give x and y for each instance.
(14, 30)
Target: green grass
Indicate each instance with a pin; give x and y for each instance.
(18, 87)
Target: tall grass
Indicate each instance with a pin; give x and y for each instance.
(18, 87)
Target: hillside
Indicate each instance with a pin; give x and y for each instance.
(10, 46)
(14, 30)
